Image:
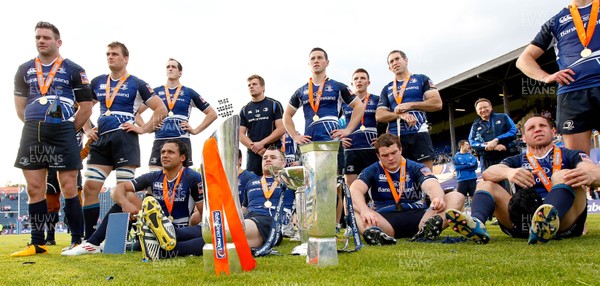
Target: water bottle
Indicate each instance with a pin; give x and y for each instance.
(54, 112)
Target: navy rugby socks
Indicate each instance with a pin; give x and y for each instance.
(561, 197)
(37, 214)
(483, 205)
(91, 214)
(74, 216)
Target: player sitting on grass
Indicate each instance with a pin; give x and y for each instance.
(550, 199)
(172, 194)
(399, 188)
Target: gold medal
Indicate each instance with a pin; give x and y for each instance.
(363, 128)
(107, 113)
(268, 204)
(171, 218)
(316, 117)
(586, 53)
(171, 114)
(43, 100)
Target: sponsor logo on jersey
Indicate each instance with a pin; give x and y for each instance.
(84, 78)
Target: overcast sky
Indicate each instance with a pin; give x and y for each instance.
(221, 43)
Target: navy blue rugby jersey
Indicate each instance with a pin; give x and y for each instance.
(334, 94)
(361, 139)
(412, 197)
(417, 85)
(190, 191)
(560, 31)
(70, 84)
(132, 93)
(187, 99)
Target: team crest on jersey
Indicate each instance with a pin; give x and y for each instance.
(413, 80)
(426, 171)
(431, 84)
(328, 88)
(84, 78)
(265, 109)
(149, 89)
(585, 158)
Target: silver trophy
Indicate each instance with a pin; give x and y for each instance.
(227, 136)
(295, 179)
(319, 201)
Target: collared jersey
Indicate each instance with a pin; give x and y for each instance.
(560, 31)
(412, 196)
(255, 199)
(363, 139)
(70, 84)
(570, 159)
(190, 191)
(187, 99)
(132, 93)
(417, 85)
(334, 94)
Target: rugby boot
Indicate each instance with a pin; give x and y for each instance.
(31, 249)
(544, 224)
(375, 236)
(161, 226)
(467, 226)
(148, 243)
(431, 229)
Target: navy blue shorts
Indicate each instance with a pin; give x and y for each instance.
(263, 223)
(405, 223)
(417, 147)
(48, 146)
(117, 149)
(157, 146)
(467, 187)
(358, 160)
(577, 111)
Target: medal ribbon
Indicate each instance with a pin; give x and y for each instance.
(556, 166)
(171, 103)
(268, 191)
(169, 200)
(220, 198)
(366, 102)
(314, 104)
(397, 194)
(585, 36)
(45, 84)
(399, 95)
(110, 97)
(283, 144)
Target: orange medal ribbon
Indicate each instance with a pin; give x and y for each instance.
(268, 190)
(556, 166)
(110, 97)
(314, 104)
(171, 102)
(283, 144)
(45, 84)
(397, 194)
(399, 95)
(366, 102)
(169, 200)
(585, 36)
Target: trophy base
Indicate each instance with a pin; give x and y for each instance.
(322, 251)
(208, 256)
